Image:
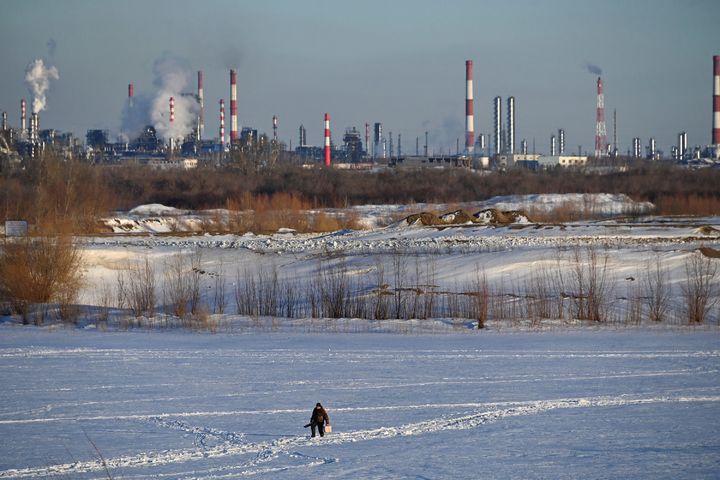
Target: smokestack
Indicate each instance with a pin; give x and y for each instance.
(523, 147)
(327, 140)
(377, 138)
(682, 145)
(201, 102)
(716, 105)
(553, 146)
(171, 142)
(652, 149)
(4, 121)
(600, 130)
(23, 116)
(561, 139)
(222, 122)
(636, 147)
(274, 120)
(511, 125)
(481, 142)
(35, 126)
(303, 135)
(498, 119)
(233, 106)
(469, 115)
(367, 139)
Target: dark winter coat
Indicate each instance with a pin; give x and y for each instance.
(319, 416)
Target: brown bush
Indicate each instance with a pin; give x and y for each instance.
(39, 270)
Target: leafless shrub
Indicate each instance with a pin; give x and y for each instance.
(591, 280)
(658, 290)
(380, 308)
(176, 288)
(477, 298)
(195, 280)
(40, 270)
(634, 304)
(139, 289)
(541, 300)
(399, 270)
(104, 298)
(335, 291)
(700, 290)
(220, 284)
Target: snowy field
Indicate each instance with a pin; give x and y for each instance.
(532, 395)
(590, 404)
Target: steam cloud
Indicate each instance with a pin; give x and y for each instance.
(171, 77)
(594, 69)
(37, 79)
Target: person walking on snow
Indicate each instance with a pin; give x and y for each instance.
(319, 418)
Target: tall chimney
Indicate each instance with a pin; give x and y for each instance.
(553, 146)
(377, 139)
(367, 139)
(469, 115)
(652, 147)
(201, 102)
(274, 120)
(600, 130)
(498, 120)
(716, 105)
(222, 122)
(561, 140)
(131, 94)
(23, 116)
(171, 140)
(4, 121)
(327, 140)
(511, 125)
(233, 106)
(303, 135)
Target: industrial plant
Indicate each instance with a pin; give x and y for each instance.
(176, 137)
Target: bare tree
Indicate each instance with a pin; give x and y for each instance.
(658, 290)
(700, 290)
(590, 274)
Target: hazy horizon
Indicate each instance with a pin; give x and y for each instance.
(400, 63)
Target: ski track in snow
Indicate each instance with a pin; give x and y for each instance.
(215, 444)
(351, 385)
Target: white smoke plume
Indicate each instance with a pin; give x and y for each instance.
(172, 76)
(37, 79)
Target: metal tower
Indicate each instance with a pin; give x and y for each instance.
(600, 130)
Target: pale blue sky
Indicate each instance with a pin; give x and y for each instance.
(399, 62)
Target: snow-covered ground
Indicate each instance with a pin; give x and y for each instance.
(563, 405)
(157, 218)
(419, 398)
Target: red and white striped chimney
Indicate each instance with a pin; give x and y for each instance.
(171, 140)
(131, 92)
(201, 102)
(716, 105)
(222, 122)
(233, 106)
(469, 119)
(23, 115)
(327, 140)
